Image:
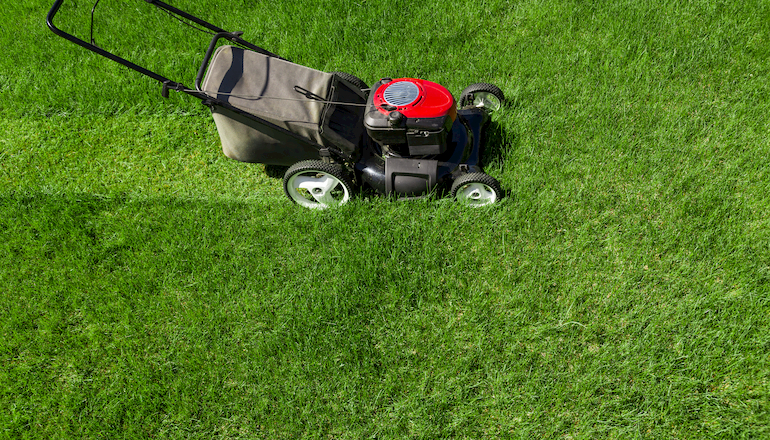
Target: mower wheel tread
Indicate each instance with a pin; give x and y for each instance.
(317, 170)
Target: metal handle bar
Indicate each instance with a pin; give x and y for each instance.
(167, 83)
(97, 49)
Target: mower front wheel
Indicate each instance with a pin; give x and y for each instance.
(317, 185)
(477, 189)
(482, 95)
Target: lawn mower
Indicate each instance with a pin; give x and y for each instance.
(405, 137)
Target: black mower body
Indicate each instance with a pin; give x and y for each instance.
(414, 177)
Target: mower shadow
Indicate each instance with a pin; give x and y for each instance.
(496, 141)
(275, 171)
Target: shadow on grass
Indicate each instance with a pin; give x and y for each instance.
(275, 171)
(496, 141)
(149, 243)
(131, 241)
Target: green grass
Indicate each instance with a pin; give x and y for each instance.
(154, 288)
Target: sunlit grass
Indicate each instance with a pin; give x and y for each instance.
(154, 288)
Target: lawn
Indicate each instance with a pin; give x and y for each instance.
(153, 288)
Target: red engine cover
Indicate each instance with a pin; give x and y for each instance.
(415, 98)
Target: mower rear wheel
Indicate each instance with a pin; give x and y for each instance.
(482, 95)
(317, 185)
(352, 79)
(477, 189)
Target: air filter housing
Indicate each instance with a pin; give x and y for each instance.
(412, 117)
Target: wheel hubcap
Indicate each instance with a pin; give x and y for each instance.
(316, 189)
(476, 194)
(486, 100)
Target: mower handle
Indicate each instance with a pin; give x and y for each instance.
(235, 37)
(93, 48)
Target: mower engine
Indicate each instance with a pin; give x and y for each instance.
(410, 117)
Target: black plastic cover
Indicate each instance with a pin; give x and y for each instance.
(410, 177)
(340, 123)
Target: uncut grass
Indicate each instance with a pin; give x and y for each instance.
(155, 288)
(161, 316)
